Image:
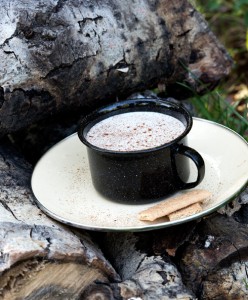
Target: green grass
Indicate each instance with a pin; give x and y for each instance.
(213, 106)
(245, 283)
(221, 107)
(228, 19)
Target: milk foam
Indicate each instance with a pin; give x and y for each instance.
(135, 131)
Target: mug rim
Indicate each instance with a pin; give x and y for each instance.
(108, 111)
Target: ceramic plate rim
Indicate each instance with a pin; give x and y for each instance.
(145, 227)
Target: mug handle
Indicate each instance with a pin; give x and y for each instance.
(198, 161)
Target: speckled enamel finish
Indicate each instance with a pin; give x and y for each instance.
(145, 175)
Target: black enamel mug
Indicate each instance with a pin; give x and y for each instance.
(145, 175)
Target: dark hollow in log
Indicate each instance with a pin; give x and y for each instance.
(57, 56)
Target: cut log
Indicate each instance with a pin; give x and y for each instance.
(61, 55)
(39, 258)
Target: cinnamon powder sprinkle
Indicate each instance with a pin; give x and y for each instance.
(135, 131)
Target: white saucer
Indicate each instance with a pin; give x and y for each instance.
(62, 186)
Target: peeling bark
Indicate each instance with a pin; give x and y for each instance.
(65, 55)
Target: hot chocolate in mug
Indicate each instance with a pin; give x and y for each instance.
(137, 150)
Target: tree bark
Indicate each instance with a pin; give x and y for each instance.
(39, 258)
(143, 261)
(63, 55)
(214, 264)
(197, 260)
